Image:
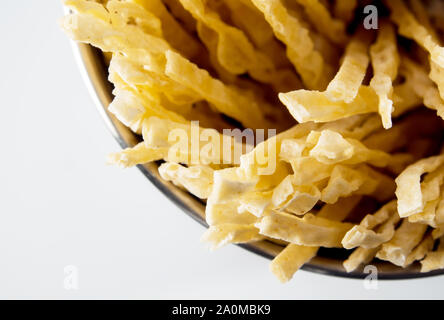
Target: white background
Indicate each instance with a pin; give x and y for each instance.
(61, 205)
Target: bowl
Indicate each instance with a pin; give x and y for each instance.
(328, 261)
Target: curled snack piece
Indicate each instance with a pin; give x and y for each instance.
(345, 9)
(408, 191)
(223, 234)
(308, 230)
(411, 28)
(363, 236)
(316, 106)
(345, 181)
(327, 25)
(421, 250)
(294, 256)
(226, 99)
(406, 238)
(434, 260)
(290, 260)
(198, 180)
(346, 83)
(385, 62)
(293, 198)
(300, 47)
(359, 257)
(139, 154)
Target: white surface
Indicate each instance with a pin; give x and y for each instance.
(61, 205)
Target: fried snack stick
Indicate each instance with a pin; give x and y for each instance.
(279, 79)
(329, 51)
(210, 40)
(363, 234)
(423, 17)
(421, 250)
(356, 127)
(346, 83)
(157, 95)
(181, 143)
(409, 191)
(132, 107)
(305, 105)
(139, 154)
(140, 94)
(434, 260)
(321, 19)
(421, 85)
(411, 28)
(439, 213)
(309, 230)
(197, 180)
(247, 17)
(260, 160)
(172, 30)
(180, 14)
(255, 202)
(238, 199)
(362, 180)
(406, 238)
(220, 235)
(155, 54)
(345, 9)
(300, 47)
(432, 194)
(437, 75)
(122, 12)
(294, 256)
(296, 199)
(263, 160)
(362, 255)
(251, 21)
(234, 51)
(223, 203)
(330, 147)
(359, 256)
(385, 62)
(227, 99)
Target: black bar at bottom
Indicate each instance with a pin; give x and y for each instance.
(229, 309)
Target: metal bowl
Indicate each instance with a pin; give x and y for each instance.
(328, 261)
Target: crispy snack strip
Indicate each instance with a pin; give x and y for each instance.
(434, 260)
(294, 256)
(345, 9)
(411, 28)
(408, 191)
(346, 83)
(363, 235)
(300, 47)
(309, 230)
(359, 257)
(333, 29)
(220, 235)
(385, 62)
(406, 238)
